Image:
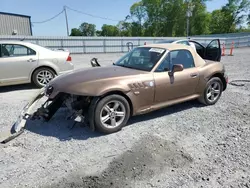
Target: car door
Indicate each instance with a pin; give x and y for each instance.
(16, 63)
(181, 84)
(200, 49)
(213, 50)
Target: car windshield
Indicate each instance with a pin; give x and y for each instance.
(141, 58)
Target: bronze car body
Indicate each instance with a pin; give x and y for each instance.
(148, 78)
(146, 91)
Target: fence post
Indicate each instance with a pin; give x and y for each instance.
(83, 46)
(104, 45)
(61, 43)
(238, 42)
(122, 45)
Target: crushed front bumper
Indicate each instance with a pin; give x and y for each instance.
(26, 113)
(43, 106)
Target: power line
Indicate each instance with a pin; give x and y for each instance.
(95, 16)
(49, 18)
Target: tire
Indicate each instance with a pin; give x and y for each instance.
(38, 79)
(117, 113)
(214, 87)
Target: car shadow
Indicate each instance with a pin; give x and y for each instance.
(62, 129)
(4, 89)
(166, 111)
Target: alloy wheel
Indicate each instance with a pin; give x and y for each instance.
(44, 77)
(213, 91)
(112, 114)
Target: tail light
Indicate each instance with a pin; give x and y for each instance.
(69, 58)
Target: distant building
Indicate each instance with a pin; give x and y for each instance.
(15, 24)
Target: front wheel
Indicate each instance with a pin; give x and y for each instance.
(212, 92)
(111, 114)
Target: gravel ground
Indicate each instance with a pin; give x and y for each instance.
(186, 145)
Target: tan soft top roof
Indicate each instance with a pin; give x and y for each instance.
(170, 46)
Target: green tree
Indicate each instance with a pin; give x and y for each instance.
(87, 29)
(153, 10)
(200, 19)
(75, 32)
(169, 18)
(136, 29)
(124, 28)
(137, 11)
(109, 30)
(217, 22)
(234, 14)
(98, 33)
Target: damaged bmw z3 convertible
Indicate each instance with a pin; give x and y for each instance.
(145, 79)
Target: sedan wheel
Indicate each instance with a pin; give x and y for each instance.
(212, 91)
(43, 76)
(112, 113)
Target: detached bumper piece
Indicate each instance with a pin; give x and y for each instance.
(46, 111)
(8, 136)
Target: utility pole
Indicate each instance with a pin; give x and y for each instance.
(66, 18)
(187, 24)
(189, 14)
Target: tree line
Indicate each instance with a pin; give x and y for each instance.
(160, 18)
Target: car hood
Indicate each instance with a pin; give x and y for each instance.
(92, 74)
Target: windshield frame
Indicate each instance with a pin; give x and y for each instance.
(128, 55)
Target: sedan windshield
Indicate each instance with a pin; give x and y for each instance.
(141, 58)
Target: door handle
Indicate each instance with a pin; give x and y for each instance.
(31, 60)
(194, 75)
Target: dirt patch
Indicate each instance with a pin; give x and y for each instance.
(147, 158)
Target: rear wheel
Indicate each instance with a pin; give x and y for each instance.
(111, 113)
(212, 92)
(42, 76)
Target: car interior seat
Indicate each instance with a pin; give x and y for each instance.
(5, 52)
(184, 59)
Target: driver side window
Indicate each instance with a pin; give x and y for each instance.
(183, 57)
(165, 64)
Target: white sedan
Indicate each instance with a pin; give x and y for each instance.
(181, 41)
(23, 62)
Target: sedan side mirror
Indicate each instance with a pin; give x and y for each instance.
(176, 68)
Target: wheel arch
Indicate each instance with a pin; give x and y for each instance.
(221, 76)
(117, 92)
(43, 66)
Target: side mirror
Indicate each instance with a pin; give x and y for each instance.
(176, 68)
